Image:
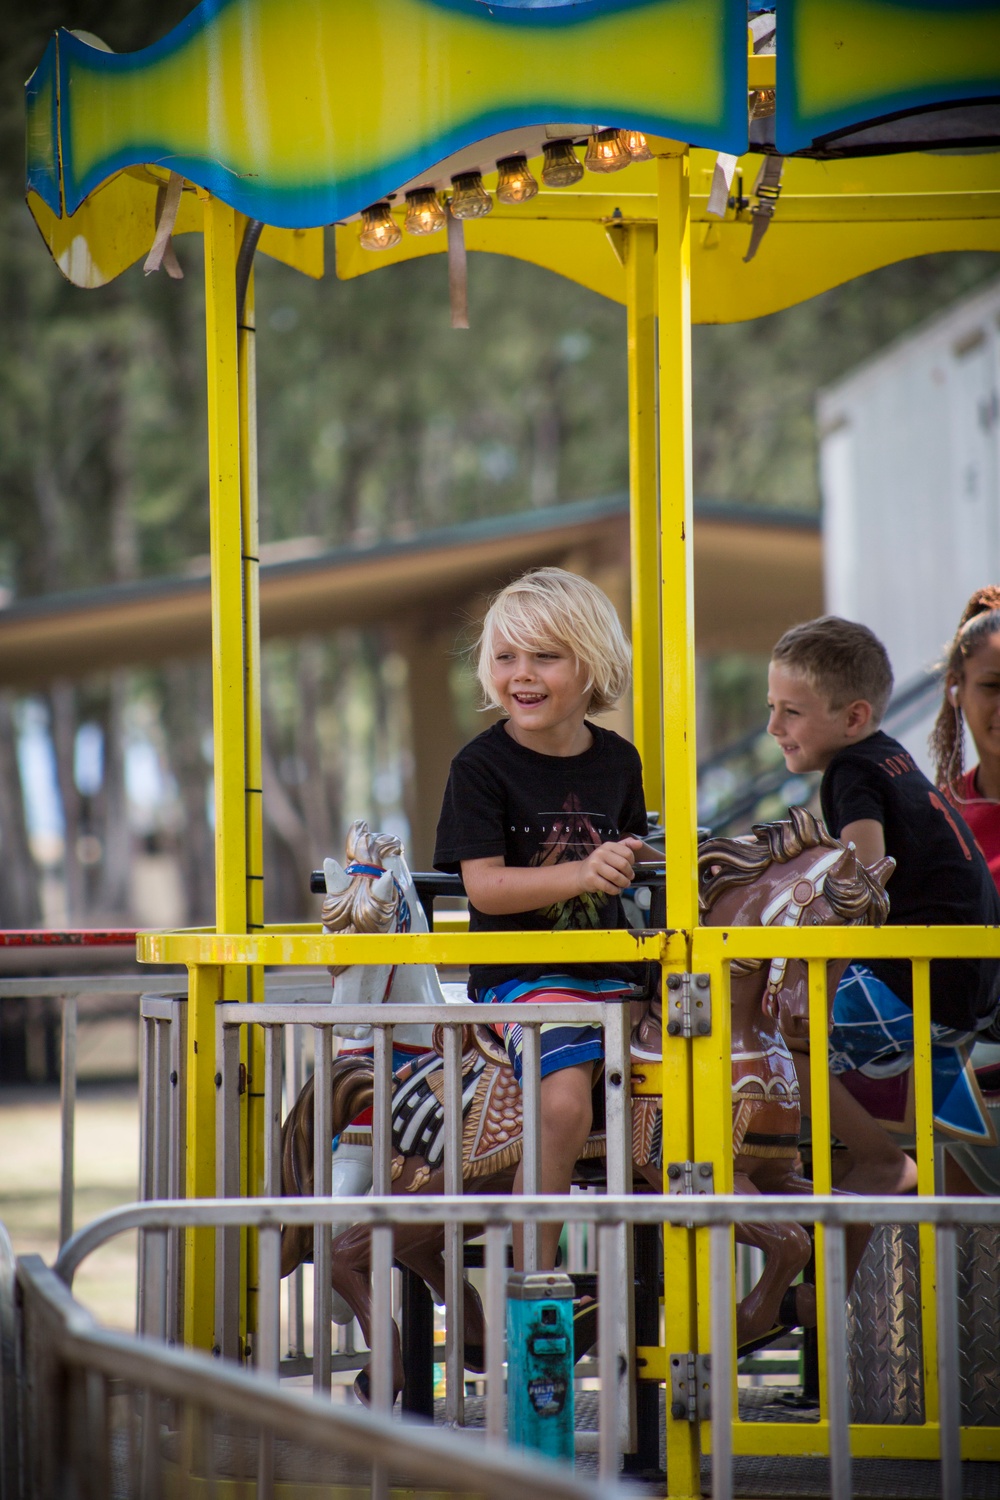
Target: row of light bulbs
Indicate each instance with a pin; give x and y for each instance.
(607, 151)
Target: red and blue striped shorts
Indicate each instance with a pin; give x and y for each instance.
(561, 1046)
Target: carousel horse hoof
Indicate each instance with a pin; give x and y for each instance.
(788, 1318)
(475, 1358)
(584, 1326)
(363, 1388)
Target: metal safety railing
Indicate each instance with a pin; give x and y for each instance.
(612, 1018)
(106, 1413)
(163, 1110)
(715, 1398)
(66, 992)
(695, 1077)
(910, 1334)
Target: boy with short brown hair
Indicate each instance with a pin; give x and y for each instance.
(829, 683)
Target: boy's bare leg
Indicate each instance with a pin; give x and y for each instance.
(567, 1117)
(877, 1163)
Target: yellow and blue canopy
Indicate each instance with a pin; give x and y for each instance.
(303, 112)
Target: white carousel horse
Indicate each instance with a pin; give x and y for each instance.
(375, 892)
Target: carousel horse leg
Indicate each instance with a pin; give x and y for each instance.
(856, 1236)
(420, 1250)
(786, 1248)
(351, 1278)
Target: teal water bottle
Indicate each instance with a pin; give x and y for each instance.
(540, 1362)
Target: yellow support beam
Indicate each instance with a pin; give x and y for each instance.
(308, 945)
(819, 1088)
(229, 726)
(647, 717)
(923, 1092)
(226, 540)
(673, 262)
(204, 990)
(253, 1039)
(673, 276)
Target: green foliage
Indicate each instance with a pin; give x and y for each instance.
(755, 384)
(376, 419)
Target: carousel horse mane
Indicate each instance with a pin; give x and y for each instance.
(358, 908)
(853, 897)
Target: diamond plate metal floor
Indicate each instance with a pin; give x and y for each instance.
(788, 1478)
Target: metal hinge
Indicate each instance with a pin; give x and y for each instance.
(691, 1387)
(689, 1005)
(693, 1178)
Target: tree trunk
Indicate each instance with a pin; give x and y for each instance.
(62, 723)
(20, 901)
(186, 715)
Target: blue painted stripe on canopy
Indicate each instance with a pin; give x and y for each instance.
(41, 143)
(306, 205)
(541, 12)
(327, 190)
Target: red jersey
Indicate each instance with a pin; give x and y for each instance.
(983, 819)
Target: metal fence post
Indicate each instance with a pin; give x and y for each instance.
(67, 1100)
(454, 1258)
(322, 1175)
(618, 1145)
(227, 1176)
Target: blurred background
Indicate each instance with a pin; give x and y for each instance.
(384, 435)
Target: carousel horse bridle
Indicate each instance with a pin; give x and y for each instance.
(787, 909)
(403, 919)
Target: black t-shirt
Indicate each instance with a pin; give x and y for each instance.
(941, 878)
(533, 809)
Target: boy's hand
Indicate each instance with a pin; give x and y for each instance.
(610, 868)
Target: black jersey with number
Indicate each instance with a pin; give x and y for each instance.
(940, 877)
(533, 809)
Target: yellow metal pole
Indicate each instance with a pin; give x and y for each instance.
(254, 1098)
(647, 718)
(673, 270)
(226, 530)
(204, 990)
(923, 1099)
(228, 695)
(673, 257)
(819, 1088)
(712, 1075)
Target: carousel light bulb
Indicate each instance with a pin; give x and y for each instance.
(424, 214)
(515, 183)
(379, 230)
(762, 104)
(636, 145)
(470, 199)
(561, 166)
(606, 152)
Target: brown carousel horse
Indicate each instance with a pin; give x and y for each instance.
(786, 874)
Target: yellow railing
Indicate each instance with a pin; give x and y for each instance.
(695, 1083)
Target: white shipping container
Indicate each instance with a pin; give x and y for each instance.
(910, 478)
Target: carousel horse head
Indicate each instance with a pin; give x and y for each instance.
(364, 896)
(788, 874)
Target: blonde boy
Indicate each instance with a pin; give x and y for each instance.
(829, 684)
(544, 814)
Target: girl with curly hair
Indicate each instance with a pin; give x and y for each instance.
(972, 697)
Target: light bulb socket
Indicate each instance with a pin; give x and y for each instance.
(515, 183)
(636, 145)
(762, 104)
(561, 167)
(379, 230)
(607, 152)
(424, 214)
(470, 200)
